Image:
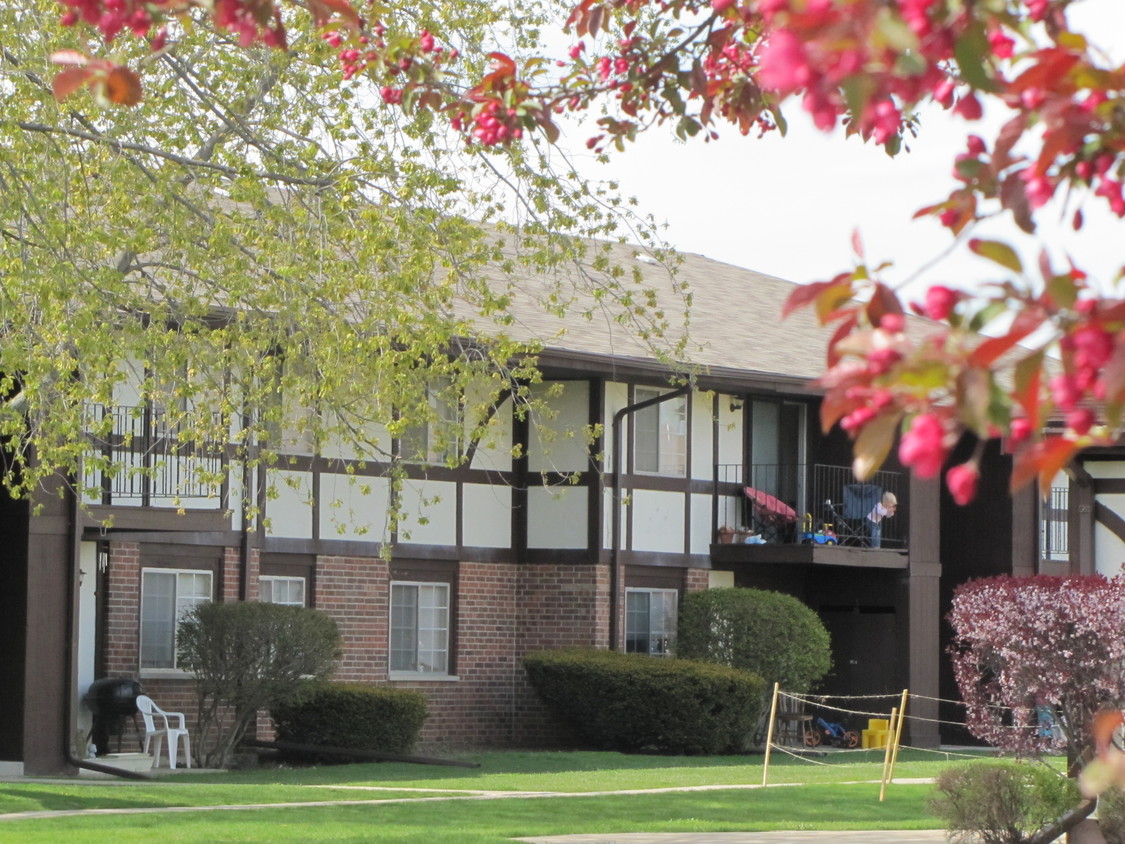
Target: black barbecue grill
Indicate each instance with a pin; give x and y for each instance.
(112, 700)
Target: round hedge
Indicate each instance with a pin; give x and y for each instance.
(768, 633)
(352, 716)
(636, 702)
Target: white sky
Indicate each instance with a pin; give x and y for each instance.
(788, 206)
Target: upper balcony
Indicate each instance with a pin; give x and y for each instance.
(147, 460)
(816, 514)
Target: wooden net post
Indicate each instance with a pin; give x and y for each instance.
(898, 733)
(769, 732)
(887, 755)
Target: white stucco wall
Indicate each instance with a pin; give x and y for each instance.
(557, 517)
(372, 432)
(487, 516)
(86, 636)
(288, 510)
(701, 529)
(1109, 551)
(658, 521)
(494, 450)
(557, 442)
(702, 436)
(731, 446)
(616, 397)
(429, 513)
(353, 507)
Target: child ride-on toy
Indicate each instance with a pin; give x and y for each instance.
(830, 733)
(824, 536)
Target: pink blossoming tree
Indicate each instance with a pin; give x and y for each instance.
(1036, 658)
(701, 64)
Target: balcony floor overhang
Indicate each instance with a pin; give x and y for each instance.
(816, 555)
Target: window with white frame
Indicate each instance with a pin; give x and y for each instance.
(650, 621)
(420, 627)
(660, 435)
(438, 441)
(167, 595)
(273, 589)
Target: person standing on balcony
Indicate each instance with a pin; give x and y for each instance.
(883, 510)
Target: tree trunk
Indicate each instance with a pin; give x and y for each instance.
(1065, 824)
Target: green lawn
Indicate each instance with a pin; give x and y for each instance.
(826, 801)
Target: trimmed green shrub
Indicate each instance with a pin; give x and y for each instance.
(352, 716)
(246, 657)
(998, 803)
(771, 634)
(636, 702)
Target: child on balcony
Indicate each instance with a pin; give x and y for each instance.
(883, 510)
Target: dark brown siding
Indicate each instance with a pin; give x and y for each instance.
(924, 646)
(49, 560)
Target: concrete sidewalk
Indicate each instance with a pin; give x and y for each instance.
(894, 836)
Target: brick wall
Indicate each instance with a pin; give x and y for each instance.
(696, 580)
(355, 591)
(502, 612)
(174, 693)
(122, 620)
(560, 606)
(477, 709)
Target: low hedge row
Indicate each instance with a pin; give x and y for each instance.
(635, 702)
(353, 716)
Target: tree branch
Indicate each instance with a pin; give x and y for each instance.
(125, 146)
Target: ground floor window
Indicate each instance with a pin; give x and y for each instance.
(650, 621)
(167, 595)
(420, 627)
(290, 591)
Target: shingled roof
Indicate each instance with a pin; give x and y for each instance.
(735, 331)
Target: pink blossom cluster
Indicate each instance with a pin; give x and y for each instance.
(1090, 377)
(491, 123)
(821, 47)
(1026, 646)
(110, 17)
(253, 21)
(367, 51)
(1082, 139)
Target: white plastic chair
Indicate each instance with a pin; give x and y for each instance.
(155, 735)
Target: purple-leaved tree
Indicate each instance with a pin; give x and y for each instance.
(1026, 647)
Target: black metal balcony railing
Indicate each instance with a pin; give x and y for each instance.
(147, 456)
(798, 503)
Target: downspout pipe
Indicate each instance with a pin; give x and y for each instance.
(615, 569)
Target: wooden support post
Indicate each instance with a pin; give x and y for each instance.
(897, 734)
(769, 733)
(887, 755)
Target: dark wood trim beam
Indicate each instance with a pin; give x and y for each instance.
(655, 558)
(1025, 531)
(558, 364)
(1081, 524)
(818, 555)
(1109, 519)
(1109, 486)
(561, 556)
(357, 548)
(153, 518)
(217, 539)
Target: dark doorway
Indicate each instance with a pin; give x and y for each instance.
(863, 650)
(13, 624)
